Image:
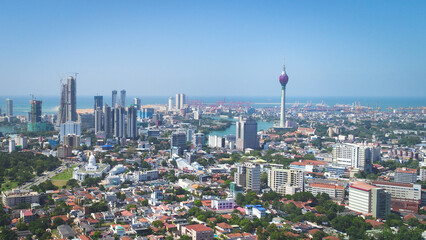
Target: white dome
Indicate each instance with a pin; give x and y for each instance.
(92, 160)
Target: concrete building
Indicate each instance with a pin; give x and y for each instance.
(248, 177)
(92, 169)
(108, 121)
(170, 104)
(70, 128)
(178, 140)
(137, 103)
(72, 140)
(68, 101)
(119, 122)
(216, 141)
(198, 232)
(198, 140)
(99, 117)
(255, 211)
(246, 134)
(366, 198)
(14, 197)
(353, 155)
(12, 145)
(9, 107)
(132, 124)
(406, 197)
(336, 192)
(285, 177)
(405, 175)
(223, 204)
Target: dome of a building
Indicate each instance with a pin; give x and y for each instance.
(92, 160)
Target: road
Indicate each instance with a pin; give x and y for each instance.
(43, 178)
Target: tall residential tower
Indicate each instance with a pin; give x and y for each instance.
(68, 103)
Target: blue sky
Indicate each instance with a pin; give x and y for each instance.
(215, 48)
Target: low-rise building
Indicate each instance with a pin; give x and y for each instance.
(198, 232)
(14, 197)
(336, 192)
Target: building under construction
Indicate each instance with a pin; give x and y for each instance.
(68, 102)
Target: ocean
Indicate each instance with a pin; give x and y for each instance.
(21, 105)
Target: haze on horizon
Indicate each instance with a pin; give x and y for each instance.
(220, 48)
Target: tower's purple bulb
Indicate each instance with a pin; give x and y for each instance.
(283, 78)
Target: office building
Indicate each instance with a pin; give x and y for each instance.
(170, 105)
(108, 121)
(223, 204)
(99, 116)
(405, 196)
(68, 101)
(369, 199)
(247, 134)
(70, 128)
(280, 179)
(405, 175)
(9, 107)
(87, 120)
(178, 140)
(283, 81)
(137, 102)
(147, 113)
(15, 197)
(99, 102)
(114, 99)
(35, 111)
(180, 101)
(119, 122)
(123, 98)
(248, 177)
(132, 122)
(198, 140)
(352, 155)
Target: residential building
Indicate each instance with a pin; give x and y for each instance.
(198, 232)
(123, 98)
(336, 192)
(114, 98)
(14, 197)
(68, 101)
(9, 107)
(285, 177)
(248, 177)
(99, 102)
(223, 204)
(353, 155)
(132, 130)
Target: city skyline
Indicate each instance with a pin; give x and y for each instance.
(200, 47)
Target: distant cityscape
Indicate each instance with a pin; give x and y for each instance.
(131, 170)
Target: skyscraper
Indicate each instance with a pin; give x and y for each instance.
(180, 100)
(137, 102)
(68, 102)
(35, 111)
(246, 136)
(99, 102)
(123, 98)
(170, 107)
(283, 81)
(9, 107)
(119, 124)
(98, 120)
(131, 122)
(114, 98)
(108, 121)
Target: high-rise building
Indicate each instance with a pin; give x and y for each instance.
(170, 106)
(352, 155)
(132, 123)
(178, 140)
(278, 179)
(366, 198)
(198, 140)
(283, 81)
(35, 111)
(99, 102)
(114, 98)
(68, 102)
(137, 102)
(248, 177)
(9, 107)
(70, 128)
(72, 140)
(246, 134)
(180, 100)
(99, 120)
(119, 122)
(123, 98)
(108, 121)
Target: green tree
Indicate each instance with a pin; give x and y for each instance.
(197, 203)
